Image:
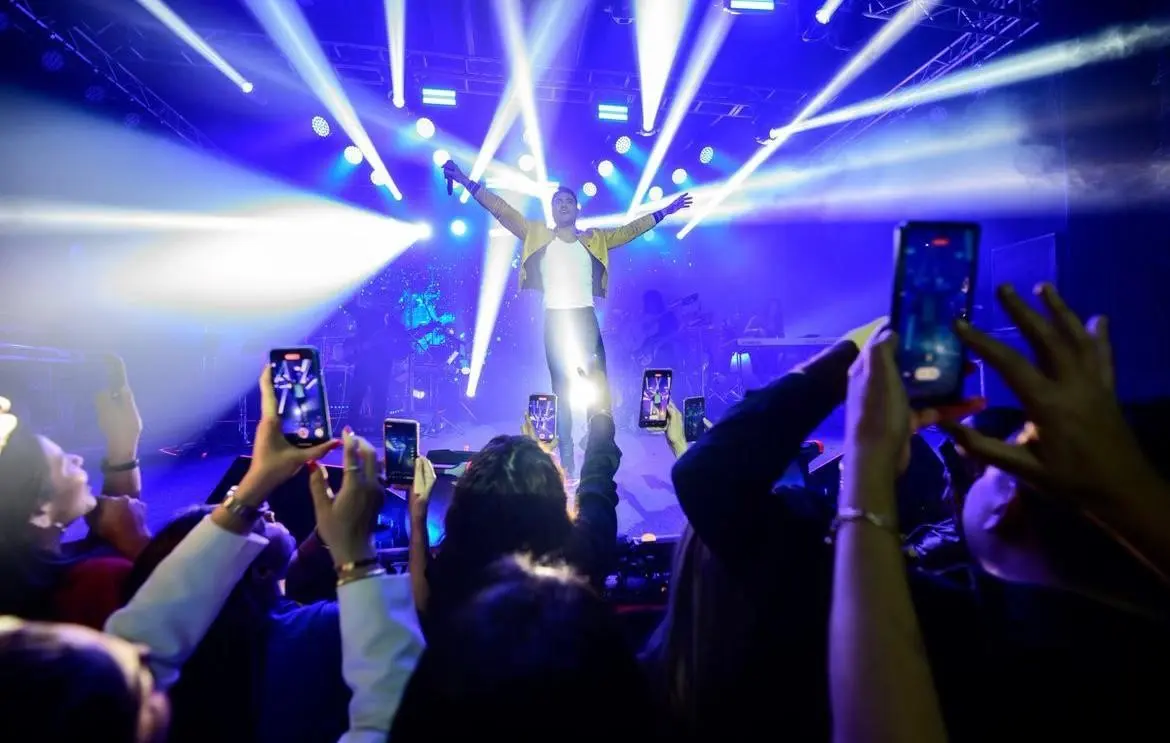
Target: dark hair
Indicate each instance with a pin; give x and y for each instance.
(534, 654)
(565, 189)
(510, 499)
(30, 563)
(229, 657)
(61, 690)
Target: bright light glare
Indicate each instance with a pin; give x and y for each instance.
(881, 42)
(658, 29)
(526, 163)
(353, 155)
(623, 144)
(440, 157)
(605, 168)
(713, 32)
(376, 178)
(497, 271)
(826, 11)
(589, 189)
(458, 227)
(396, 36)
(582, 394)
(425, 128)
(654, 194)
(706, 155)
(678, 177)
(287, 27)
(180, 28)
(321, 126)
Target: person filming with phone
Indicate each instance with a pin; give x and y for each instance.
(570, 268)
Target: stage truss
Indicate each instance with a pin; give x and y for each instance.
(84, 46)
(986, 29)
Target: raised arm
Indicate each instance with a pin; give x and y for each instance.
(619, 236)
(512, 220)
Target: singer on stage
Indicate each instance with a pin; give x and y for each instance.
(570, 268)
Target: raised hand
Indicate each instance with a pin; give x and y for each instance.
(682, 202)
(676, 435)
(1081, 445)
(274, 459)
(117, 413)
(345, 521)
(528, 429)
(452, 171)
(419, 498)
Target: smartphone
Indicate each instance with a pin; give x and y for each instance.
(656, 385)
(694, 414)
(934, 285)
(298, 380)
(400, 439)
(542, 411)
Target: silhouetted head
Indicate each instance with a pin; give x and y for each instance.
(564, 207)
(533, 655)
(65, 682)
(511, 499)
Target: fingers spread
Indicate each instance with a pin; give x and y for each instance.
(1045, 341)
(1067, 324)
(1099, 331)
(1017, 371)
(1015, 460)
(319, 488)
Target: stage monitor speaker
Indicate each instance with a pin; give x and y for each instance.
(294, 506)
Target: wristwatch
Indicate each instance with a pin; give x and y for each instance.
(240, 509)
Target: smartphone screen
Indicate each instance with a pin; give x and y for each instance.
(934, 285)
(400, 439)
(542, 411)
(655, 398)
(300, 395)
(694, 411)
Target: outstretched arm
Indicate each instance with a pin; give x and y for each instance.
(512, 220)
(619, 236)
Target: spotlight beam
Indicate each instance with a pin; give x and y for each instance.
(509, 16)
(657, 45)
(897, 27)
(171, 20)
(287, 26)
(714, 31)
(396, 41)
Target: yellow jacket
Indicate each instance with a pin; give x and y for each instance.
(537, 236)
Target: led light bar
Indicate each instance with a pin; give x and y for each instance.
(438, 97)
(757, 6)
(610, 112)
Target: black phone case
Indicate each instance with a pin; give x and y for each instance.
(955, 395)
(642, 421)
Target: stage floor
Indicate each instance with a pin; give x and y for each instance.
(647, 501)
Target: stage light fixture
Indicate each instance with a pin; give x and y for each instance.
(706, 155)
(321, 127)
(458, 227)
(438, 97)
(425, 128)
(247, 87)
(589, 189)
(353, 155)
(526, 163)
(441, 157)
(654, 194)
(605, 168)
(826, 11)
(377, 178)
(613, 112)
(678, 176)
(623, 145)
(750, 6)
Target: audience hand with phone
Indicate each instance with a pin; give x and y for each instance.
(274, 458)
(345, 520)
(419, 497)
(117, 413)
(675, 431)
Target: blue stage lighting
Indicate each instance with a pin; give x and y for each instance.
(611, 112)
(321, 127)
(353, 155)
(623, 144)
(605, 168)
(654, 194)
(441, 157)
(678, 176)
(458, 227)
(589, 189)
(425, 128)
(526, 163)
(377, 178)
(757, 6)
(706, 155)
(438, 97)
(247, 87)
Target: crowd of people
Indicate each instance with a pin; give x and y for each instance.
(1034, 608)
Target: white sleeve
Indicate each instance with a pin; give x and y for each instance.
(380, 646)
(177, 604)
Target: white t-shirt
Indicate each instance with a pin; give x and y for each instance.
(567, 274)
